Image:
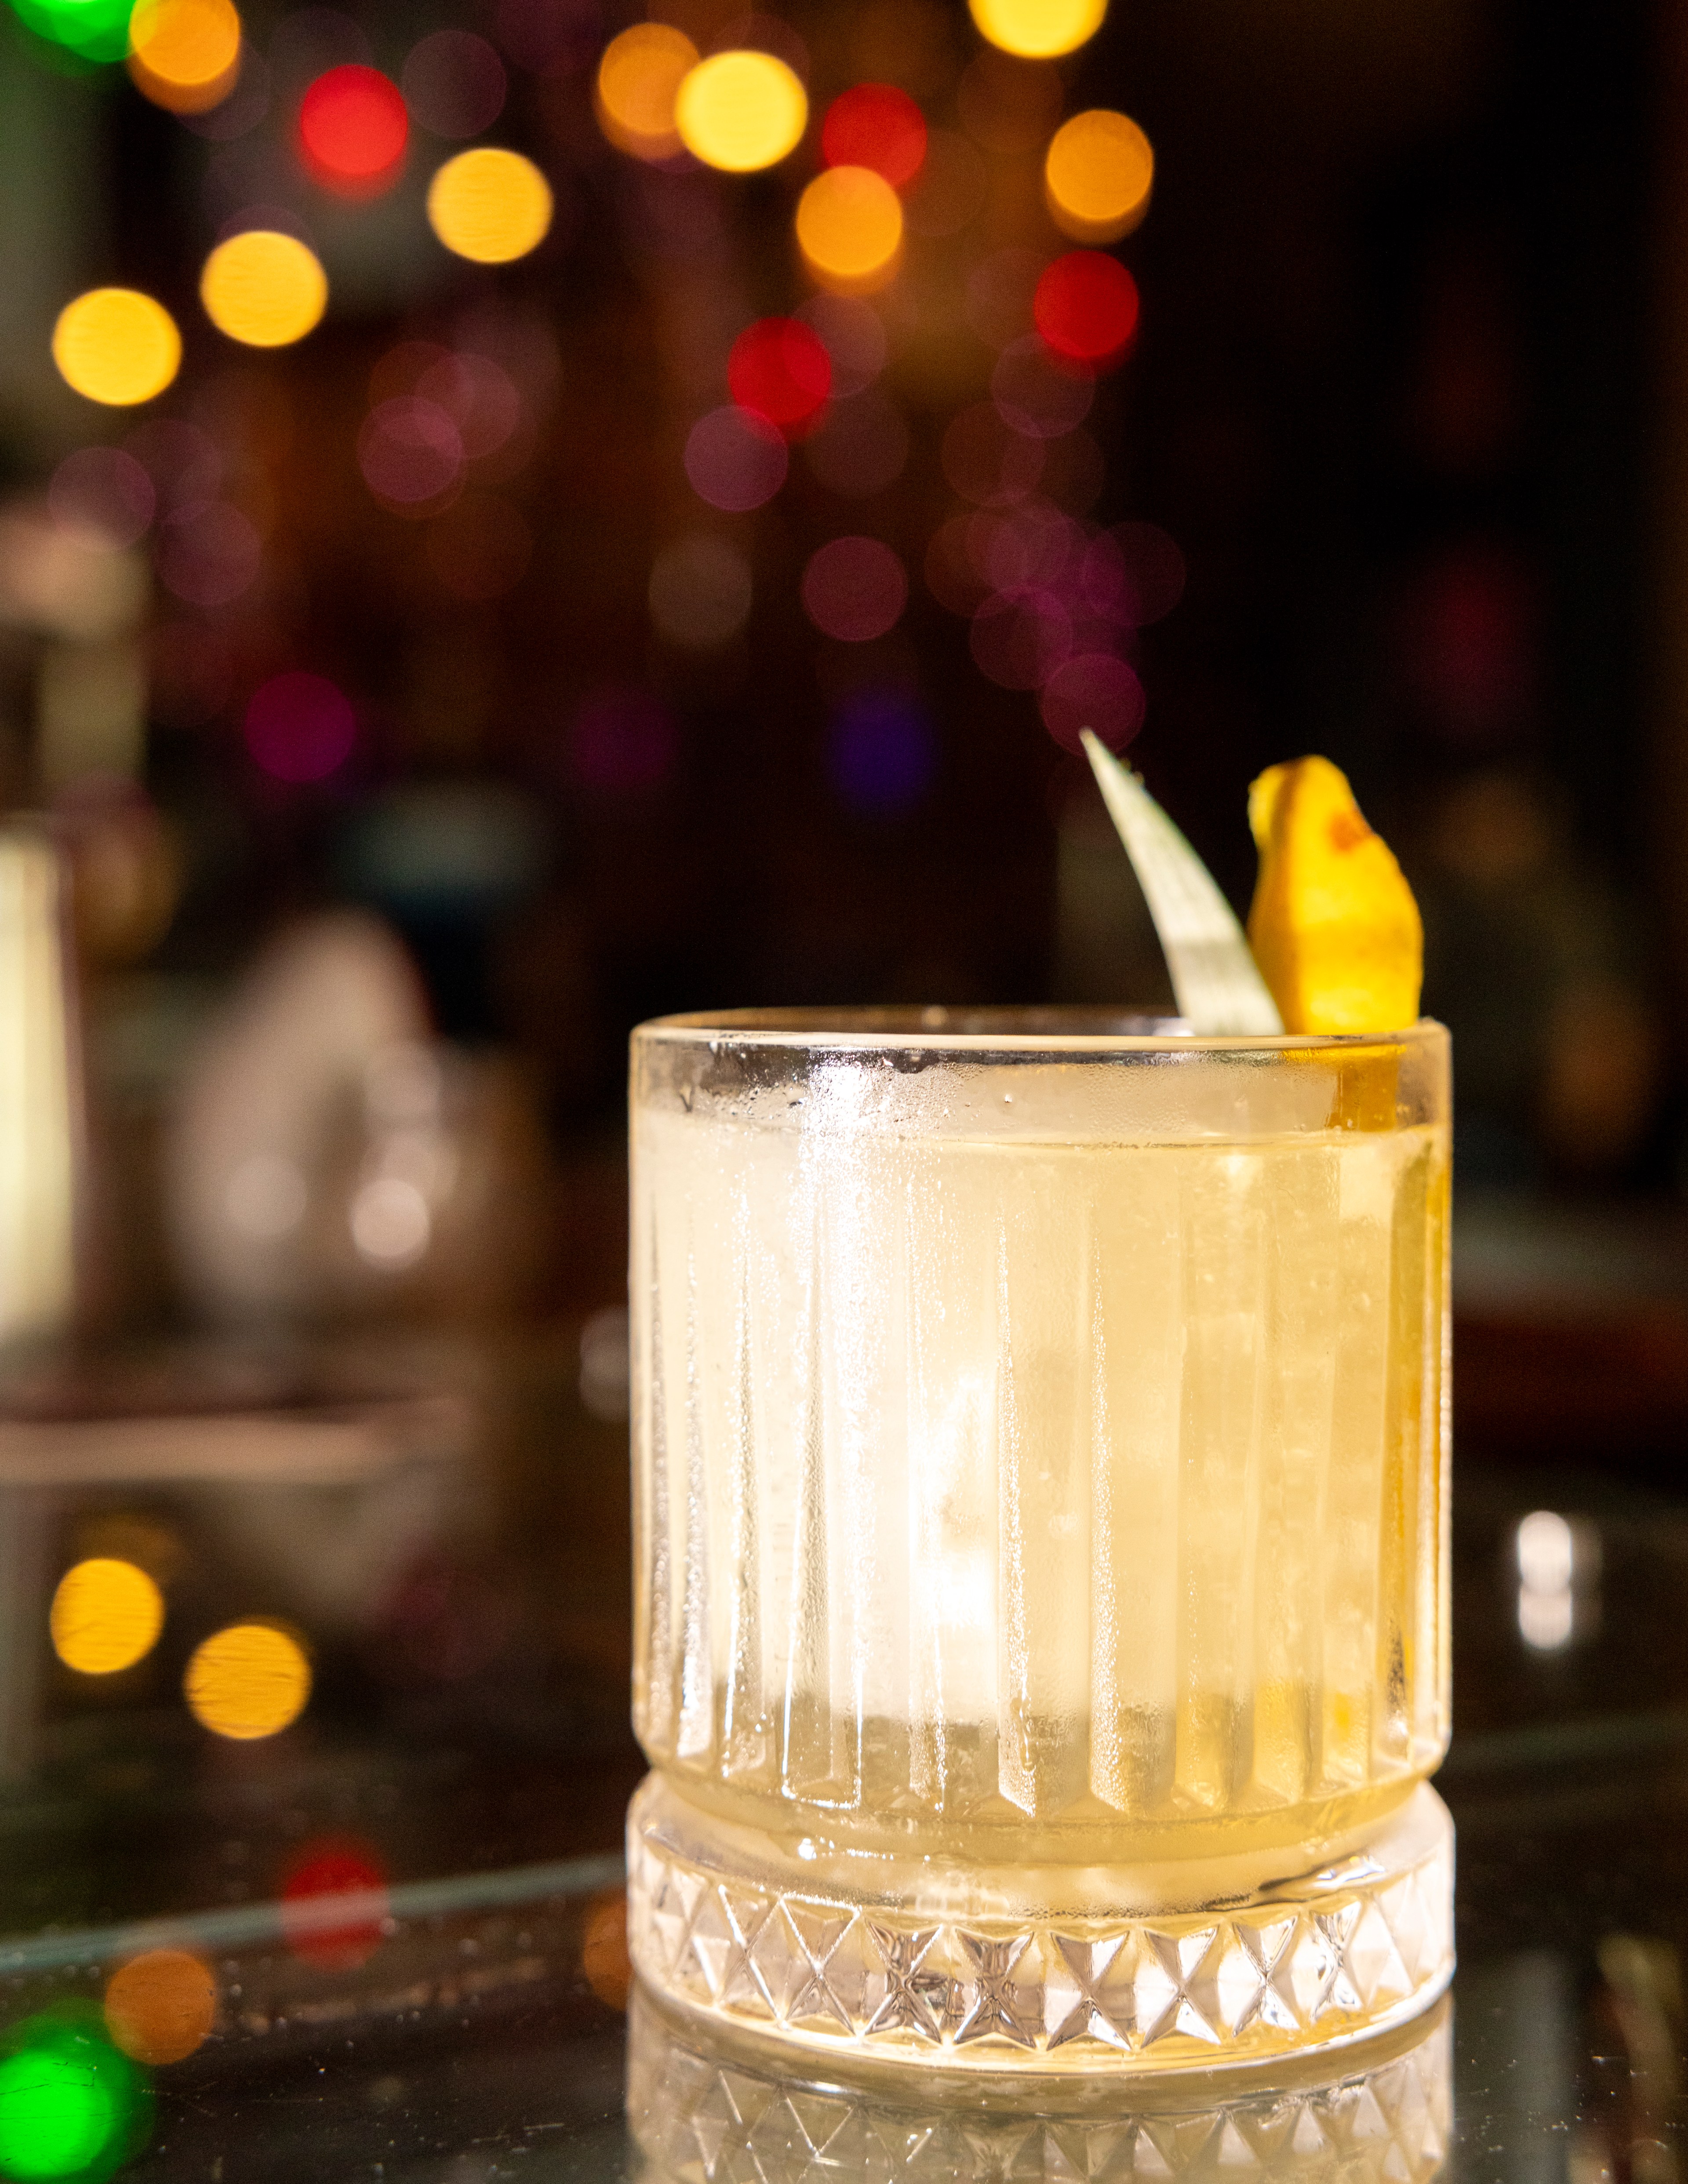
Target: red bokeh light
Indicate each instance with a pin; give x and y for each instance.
(779, 370)
(325, 1869)
(300, 728)
(353, 129)
(1086, 308)
(875, 126)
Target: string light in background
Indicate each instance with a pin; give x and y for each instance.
(104, 491)
(877, 126)
(105, 1616)
(1086, 309)
(881, 752)
(453, 83)
(249, 1679)
(299, 727)
(623, 741)
(116, 346)
(778, 369)
(849, 228)
(160, 2006)
(411, 454)
(208, 553)
(700, 591)
(741, 111)
(71, 2104)
(264, 288)
(1038, 30)
(353, 129)
(1098, 173)
(95, 30)
(184, 55)
(318, 1923)
(639, 79)
(735, 459)
(855, 590)
(490, 205)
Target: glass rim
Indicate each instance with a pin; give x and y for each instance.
(1032, 1031)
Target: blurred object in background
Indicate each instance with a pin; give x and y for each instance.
(41, 1092)
(327, 1155)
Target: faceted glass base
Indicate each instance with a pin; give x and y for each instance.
(723, 1922)
(704, 2104)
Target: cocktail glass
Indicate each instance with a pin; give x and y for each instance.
(1040, 1471)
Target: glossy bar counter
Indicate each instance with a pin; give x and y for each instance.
(388, 1941)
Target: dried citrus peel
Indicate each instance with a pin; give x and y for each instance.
(1334, 925)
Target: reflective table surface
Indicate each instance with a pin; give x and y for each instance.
(389, 1942)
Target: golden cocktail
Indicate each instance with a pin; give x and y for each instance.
(1040, 1456)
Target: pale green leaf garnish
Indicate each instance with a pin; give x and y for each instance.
(1220, 991)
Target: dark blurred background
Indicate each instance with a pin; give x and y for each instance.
(420, 703)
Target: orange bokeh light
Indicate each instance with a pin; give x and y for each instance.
(1097, 175)
(638, 78)
(185, 54)
(160, 2006)
(850, 227)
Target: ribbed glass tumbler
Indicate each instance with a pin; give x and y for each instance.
(1040, 1478)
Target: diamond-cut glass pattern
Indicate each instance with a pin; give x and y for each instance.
(1343, 1953)
(698, 2115)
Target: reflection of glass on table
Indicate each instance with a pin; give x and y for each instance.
(1040, 1450)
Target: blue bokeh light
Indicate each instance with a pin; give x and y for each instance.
(881, 753)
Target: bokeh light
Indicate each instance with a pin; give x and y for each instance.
(1098, 172)
(299, 726)
(249, 1680)
(160, 2006)
(104, 491)
(741, 111)
(71, 2104)
(735, 459)
(1095, 691)
(603, 1956)
(623, 741)
(481, 547)
(1035, 395)
(490, 205)
(778, 369)
(453, 83)
(480, 398)
(700, 591)
(1038, 30)
(410, 453)
(987, 460)
(106, 1615)
(390, 1221)
(855, 590)
(1086, 308)
(208, 553)
(877, 126)
(94, 30)
(264, 288)
(881, 752)
(322, 1872)
(855, 335)
(863, 447)
(353, 129)
(1133, 574)
(185, 54)
(116, 346)
(850, 227)
(1019, 638)
(638, 80)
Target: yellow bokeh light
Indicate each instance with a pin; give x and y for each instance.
(1097, 175)
(1038, 30)
(106, 1615)
(185, 54)
(490, 205)
(850, 225)
(741, 111)
(638, 78)
(116, 346)
(160, 2006)
(262, 288)
(246, 1681)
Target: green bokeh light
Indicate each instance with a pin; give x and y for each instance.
(71, 2106)
(96, 30)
